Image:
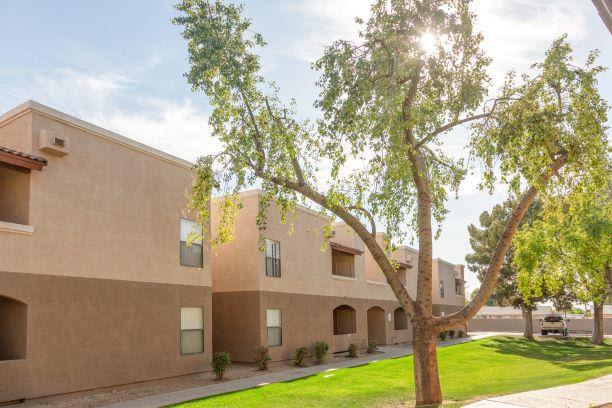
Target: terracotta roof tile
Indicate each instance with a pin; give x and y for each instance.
(38, 159)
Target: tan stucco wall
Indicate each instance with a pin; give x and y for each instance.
(306, 267)
(306, 319)
(105, 210)
(85, 333)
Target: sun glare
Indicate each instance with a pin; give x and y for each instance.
(428, 43)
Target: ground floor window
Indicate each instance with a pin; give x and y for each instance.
(192, 330)
(275, 327)
(13, 329)
(400, 321)
(345, 320)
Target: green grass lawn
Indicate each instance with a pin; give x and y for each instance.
(486, 367)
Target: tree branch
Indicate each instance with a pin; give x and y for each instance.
(490, 278)
(367, 214)
(294, 160)
(451, 125)
(256, 135)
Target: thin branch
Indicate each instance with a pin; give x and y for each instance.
(256, 135)
(294, 160)
(367, 214)
(451, 125)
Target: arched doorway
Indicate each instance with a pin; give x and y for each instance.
(376, 325)
(13, 326)
(400, 321)
(345, 321)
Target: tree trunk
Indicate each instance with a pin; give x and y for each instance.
(426, 380)
(528, 318)
(598, 324)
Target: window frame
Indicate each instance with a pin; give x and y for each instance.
(353, 315)
(181, 331)
(268, 327)
(335, 255)
(201, 244)
(276, 261)
(442, 289)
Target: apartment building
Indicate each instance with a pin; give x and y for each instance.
(97, 284)
(297, 292)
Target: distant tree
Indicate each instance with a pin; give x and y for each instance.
(483, 241)
(417, 71)
(571, 245)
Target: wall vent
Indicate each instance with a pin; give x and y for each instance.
(51, 143)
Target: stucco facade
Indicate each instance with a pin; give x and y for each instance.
(332, 292)
(89, 260)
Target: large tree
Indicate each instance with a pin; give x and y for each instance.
(571, 246)
(375, 155)
(483, 242)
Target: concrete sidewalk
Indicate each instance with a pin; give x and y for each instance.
(244, 383)
(586, 394)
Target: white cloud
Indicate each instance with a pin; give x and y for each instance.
(176, 128)
(326, 21)
(179, 128)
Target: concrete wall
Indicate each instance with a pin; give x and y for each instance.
(518, 325)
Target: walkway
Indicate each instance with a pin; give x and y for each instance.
(244, 383)
(586, 394)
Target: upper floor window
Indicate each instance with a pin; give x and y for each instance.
(273, 265)
(191, 252)
(459, 287)
(442, 289)
(343, 264)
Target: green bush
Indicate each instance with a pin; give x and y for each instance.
(461, 333)
(372, 346)
(321, 348)
(352, 350)
(262, 357)
(442, 335)
(451, 334)
(220, 361)
(300, 355)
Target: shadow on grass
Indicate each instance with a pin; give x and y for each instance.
(573, 354)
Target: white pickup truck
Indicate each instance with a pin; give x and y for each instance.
(553, 324)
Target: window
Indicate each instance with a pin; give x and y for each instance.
(400, 321)
(13, 329)
(344, 320)
(191, 253)
(273, 267)
(442, 289)
(15, 196)
(192, 330)
(275, 327)
(343, 264)
(459, 287)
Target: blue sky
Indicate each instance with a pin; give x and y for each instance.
(119, 64)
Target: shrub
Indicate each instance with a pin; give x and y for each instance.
(352, 350)
(220, 361)
(442, 336)
(261, 357)
(451, 334)
(372, 346)
(300, 355)
(461, 333)
(321, 348)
